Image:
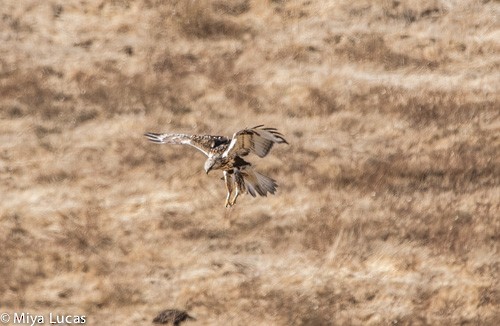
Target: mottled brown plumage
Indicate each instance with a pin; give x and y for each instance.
(173, 316)
(226, 154)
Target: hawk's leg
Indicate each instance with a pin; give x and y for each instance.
(240, 185)
(228, 178)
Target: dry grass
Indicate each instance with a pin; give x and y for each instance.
(388, 206)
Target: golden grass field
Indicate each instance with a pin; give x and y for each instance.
(388, 206)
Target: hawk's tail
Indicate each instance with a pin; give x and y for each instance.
(255, 183)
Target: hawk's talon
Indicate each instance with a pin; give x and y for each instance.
(232, 202)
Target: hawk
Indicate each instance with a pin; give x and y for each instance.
(173, 316)
(227, 154)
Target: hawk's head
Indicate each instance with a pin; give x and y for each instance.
(211, 163)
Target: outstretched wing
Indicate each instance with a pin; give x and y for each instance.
(258, 140)
(203, 143)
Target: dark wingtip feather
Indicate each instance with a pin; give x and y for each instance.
(278, 134)
(256, 127)
(153, 137)
(282, 138)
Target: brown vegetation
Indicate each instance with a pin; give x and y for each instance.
(389, 199)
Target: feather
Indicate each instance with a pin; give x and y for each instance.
(257, 183)
(258, 140)
(205, 143)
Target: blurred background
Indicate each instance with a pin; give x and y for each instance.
(388, 206)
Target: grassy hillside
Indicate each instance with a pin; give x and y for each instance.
(388, 207)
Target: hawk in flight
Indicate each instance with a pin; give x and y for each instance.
(227, 154)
